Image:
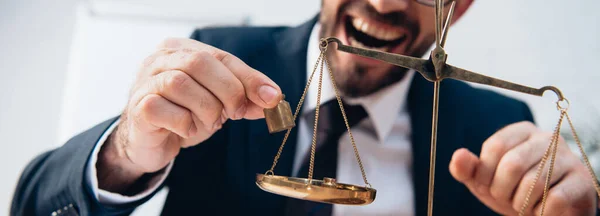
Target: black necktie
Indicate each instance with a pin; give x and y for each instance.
(330, 128)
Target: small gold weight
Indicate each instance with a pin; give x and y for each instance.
(279, 118)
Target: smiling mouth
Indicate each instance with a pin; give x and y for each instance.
(372, 35)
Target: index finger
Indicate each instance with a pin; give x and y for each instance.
(260, 89)
(497, 145)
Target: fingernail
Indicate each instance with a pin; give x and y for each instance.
(267, 93)
(240, 113)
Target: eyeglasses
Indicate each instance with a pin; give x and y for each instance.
(431, 2)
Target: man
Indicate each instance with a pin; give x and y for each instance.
(190, 125)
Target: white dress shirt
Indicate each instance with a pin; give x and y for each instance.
(383, 140)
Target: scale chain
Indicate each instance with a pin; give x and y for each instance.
(551, 152)
(337, 95)
(287, 134)
(321, 61)
(541, 166)
(552, 160)
(585, 158)
(314, 137)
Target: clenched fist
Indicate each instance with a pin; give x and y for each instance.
(183, 93)
(502, 175)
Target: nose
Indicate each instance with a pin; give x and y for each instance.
(387, 6)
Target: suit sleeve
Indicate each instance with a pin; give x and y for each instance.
(53, 183)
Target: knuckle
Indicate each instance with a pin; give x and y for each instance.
(238, 96)
(196, 59)
(176, 81)
(148, 106)
(252, 79)
(149, 103)
(212, 109)
(544, 136)
(182, 118)
(494, 145)
(511, 164)
(151, 60)
(224, 57)
(527, 125)
(169, 42)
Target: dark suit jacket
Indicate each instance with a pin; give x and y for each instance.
(217, 177)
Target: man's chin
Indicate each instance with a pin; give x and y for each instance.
(361, 81)
(354, 83)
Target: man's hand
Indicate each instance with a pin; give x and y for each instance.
(183, 93)
(501, 176)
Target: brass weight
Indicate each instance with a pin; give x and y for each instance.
(279, 118)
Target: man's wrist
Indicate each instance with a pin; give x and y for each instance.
(116, 172)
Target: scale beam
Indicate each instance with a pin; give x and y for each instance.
(426, 69)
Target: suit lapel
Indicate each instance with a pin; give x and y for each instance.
(286, 65)
(450, 138)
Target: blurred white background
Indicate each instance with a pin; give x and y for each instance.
(66, 65)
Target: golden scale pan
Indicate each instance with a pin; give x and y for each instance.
(434, 69)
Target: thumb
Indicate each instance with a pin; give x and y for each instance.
(463, 165)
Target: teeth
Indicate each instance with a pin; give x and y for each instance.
(364, 27)
(354, 42)
(357, 23)
(389, 35)
(379, 33)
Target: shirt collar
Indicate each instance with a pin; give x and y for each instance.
(383, 106)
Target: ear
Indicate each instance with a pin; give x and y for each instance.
(461, 8)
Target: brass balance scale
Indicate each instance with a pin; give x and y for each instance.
(434, 69)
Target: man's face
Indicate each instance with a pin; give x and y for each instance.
(398, 26)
